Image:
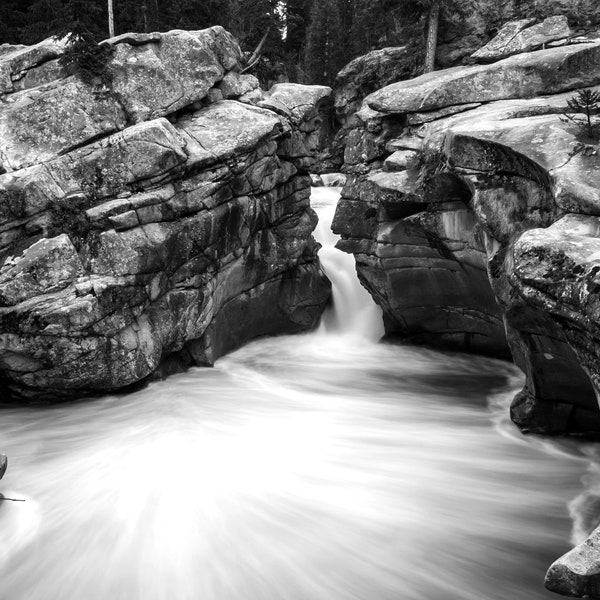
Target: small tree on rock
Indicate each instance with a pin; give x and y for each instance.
(587, 103)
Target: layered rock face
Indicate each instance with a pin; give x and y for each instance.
(472, 210)
(152, 223)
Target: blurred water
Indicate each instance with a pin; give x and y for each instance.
(314, 467)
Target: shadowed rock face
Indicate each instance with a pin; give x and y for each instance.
(153, 225)
(473, 216)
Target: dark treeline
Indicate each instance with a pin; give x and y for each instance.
(308, 40)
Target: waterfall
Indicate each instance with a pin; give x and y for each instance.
(353, 311)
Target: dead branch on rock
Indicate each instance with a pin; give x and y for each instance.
(256, 54)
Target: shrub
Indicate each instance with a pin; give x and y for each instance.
(87, 59)
(586, 103)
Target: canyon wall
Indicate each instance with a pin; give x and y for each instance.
(153, 217)
(472, 209)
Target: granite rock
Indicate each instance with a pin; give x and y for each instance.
(161, 227)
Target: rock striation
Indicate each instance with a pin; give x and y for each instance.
(472, 210)
(152, 223)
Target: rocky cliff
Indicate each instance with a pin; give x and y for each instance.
(473, 213)
(153, 219)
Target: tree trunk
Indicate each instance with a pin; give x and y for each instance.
(432, 34)
(155, 21)
(111, 19)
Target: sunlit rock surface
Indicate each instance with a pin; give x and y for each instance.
(521, 76)
(471, 209)
(577, 573)
(152, 224)
(522, 36)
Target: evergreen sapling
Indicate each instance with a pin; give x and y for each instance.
(586, 103)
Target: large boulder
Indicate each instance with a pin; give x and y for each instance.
(577, 573)
(523, 36)
(521, 76)
(472, 212)
(150, 225)
(366, 74)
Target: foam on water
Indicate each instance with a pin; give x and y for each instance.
(312, 467)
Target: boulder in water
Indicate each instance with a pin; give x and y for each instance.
(577, 573)
(3, 465)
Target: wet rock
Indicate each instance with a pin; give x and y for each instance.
(334, 179)
(577, 573)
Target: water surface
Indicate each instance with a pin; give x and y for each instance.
(315, 467)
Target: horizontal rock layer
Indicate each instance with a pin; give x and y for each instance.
(154, 223)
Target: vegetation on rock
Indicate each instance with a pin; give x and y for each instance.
(586, 103)
(85, 58)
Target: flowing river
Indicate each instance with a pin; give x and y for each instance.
(315, 467)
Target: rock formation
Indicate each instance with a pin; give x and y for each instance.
(153, 222)
(472, 210)
(577, 573)
(359, 78)
(523, 36)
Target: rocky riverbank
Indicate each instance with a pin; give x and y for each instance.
(153, 219)
(472, 211)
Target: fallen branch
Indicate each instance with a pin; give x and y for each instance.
(256, 54)
(12, 499)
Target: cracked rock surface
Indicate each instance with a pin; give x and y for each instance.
(152, 225)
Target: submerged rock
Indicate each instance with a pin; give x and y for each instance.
(151, 225)
(3, 465)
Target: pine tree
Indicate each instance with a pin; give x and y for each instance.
(324, 57)
(45, 18)
(12, 20)
(586, 103)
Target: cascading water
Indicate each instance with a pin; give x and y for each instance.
(314, 467)
(353, 310)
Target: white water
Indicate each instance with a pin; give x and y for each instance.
(315, 467)
(355, 312)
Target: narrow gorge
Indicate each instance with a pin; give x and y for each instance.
(159, 217)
